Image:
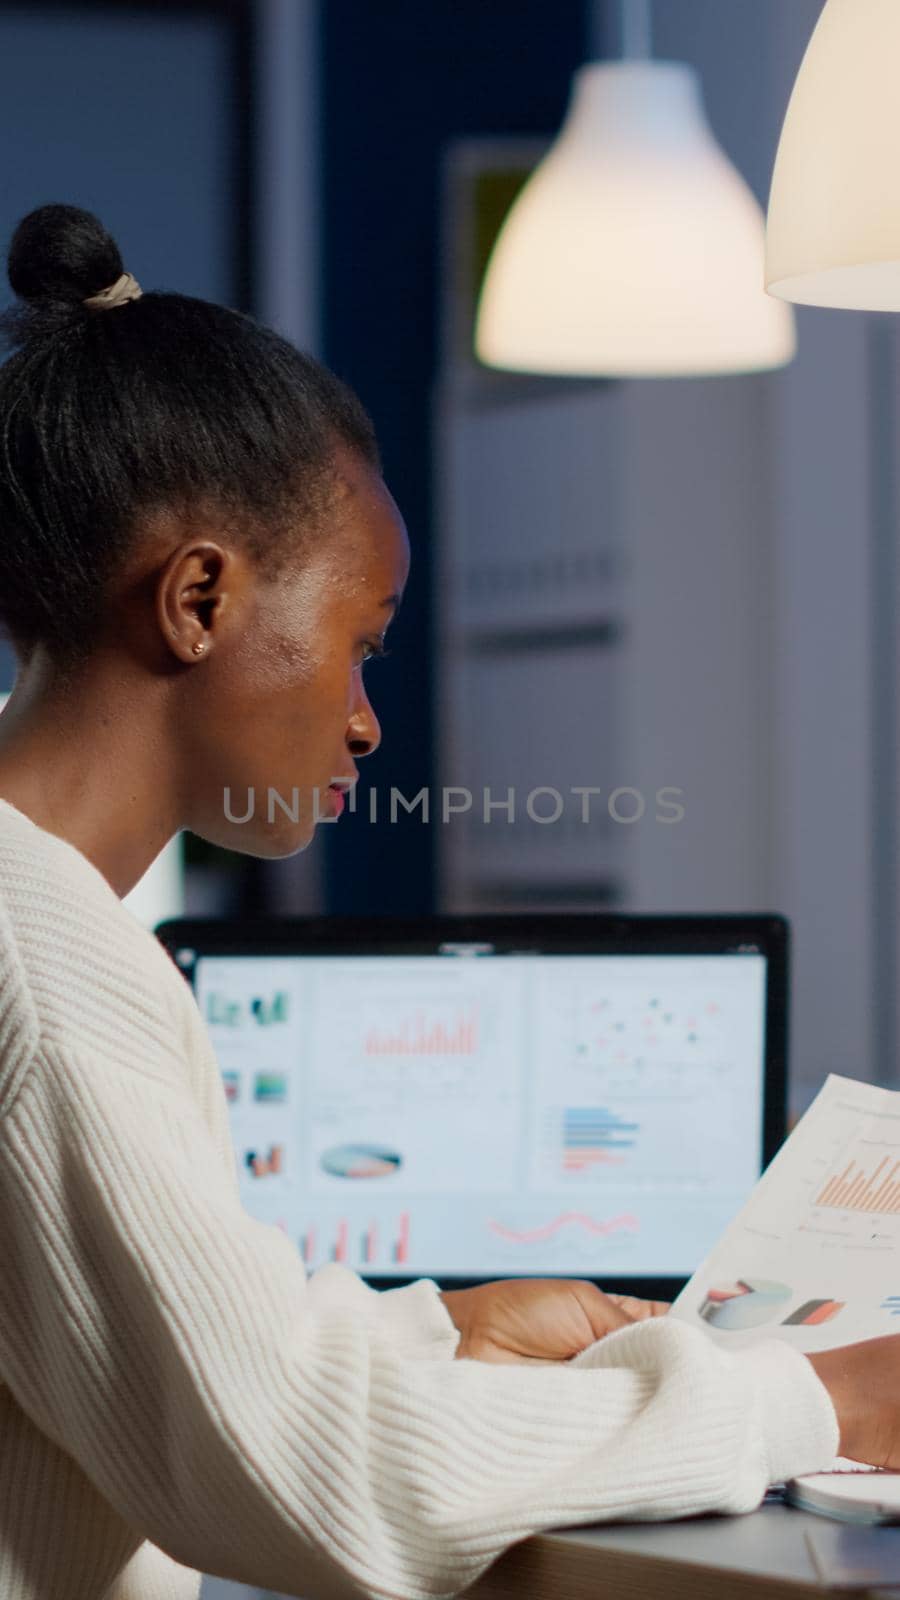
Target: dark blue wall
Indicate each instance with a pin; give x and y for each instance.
(129, 112)
(401, 79)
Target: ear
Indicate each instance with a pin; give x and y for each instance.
(192, 594)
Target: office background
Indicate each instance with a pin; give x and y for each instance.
(736, 537)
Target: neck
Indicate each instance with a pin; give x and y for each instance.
(85, 760)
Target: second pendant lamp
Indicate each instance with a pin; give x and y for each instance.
(834, 215)
(635, 249)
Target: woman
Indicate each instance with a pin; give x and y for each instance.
(197, 556)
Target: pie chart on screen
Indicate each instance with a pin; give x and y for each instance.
(360, 1161)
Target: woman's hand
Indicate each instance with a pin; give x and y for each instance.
(639, 1310)
(863, 1381)
(539, 1319)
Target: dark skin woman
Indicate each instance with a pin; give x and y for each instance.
(209, 670)
(207, 673)
(273, 697)
(192, 609)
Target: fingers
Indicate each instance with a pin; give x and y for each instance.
(604, 1312)
(635, 1310)
(639, 1310)
(493, 1353)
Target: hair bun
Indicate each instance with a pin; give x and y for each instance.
(59, 255)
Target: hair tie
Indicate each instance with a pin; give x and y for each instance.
(124, 288)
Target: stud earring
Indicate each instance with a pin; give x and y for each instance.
(198, 648)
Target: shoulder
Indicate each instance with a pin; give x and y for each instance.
(75, 965)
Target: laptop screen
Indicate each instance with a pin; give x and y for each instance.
(482, 1113)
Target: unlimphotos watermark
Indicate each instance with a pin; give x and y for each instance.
(545, 805)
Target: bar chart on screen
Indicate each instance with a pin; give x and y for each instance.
(589, 1137)
(357, 1241)
(421, 1035)
(627, 1074)
(415, 1079)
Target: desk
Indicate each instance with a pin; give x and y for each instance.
(762, 1556)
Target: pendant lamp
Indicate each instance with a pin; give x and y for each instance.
(635, 249)
(834, 210)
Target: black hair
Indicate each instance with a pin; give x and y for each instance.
(164, 401)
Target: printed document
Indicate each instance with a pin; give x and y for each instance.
(813, 1257)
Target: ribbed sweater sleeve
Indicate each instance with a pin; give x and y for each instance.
(272, 1428)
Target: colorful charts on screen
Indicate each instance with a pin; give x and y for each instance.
(360, 1161)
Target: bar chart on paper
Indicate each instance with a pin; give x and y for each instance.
(855, 1189)
(823, 1222)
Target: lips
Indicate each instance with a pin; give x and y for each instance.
(337, 791)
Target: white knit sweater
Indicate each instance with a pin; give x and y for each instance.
(171, 1381)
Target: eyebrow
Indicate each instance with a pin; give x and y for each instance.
(393, 600)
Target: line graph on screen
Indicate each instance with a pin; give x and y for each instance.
(604, 1227)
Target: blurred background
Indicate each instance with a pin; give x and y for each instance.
(624, 585)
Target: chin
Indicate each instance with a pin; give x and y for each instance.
(256, 839)
(276, 846)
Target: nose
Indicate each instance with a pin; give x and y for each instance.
(363, 729)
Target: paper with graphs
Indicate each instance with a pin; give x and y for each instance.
(813, 1257)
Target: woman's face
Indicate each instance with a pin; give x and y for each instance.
(278, 710)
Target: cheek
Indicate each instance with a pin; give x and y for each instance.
(272, 668)
(286, 702)
(333, 698)
(272, 675)
(312, 711)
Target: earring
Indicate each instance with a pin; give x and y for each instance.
(198, 648)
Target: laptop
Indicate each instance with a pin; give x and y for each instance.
(478, 1097)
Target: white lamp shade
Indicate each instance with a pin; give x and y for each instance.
(635, 249)
(834, 210)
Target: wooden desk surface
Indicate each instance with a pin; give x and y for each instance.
(762, 1556)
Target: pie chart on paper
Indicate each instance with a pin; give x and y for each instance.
(360, 1161)
(746, 1303)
